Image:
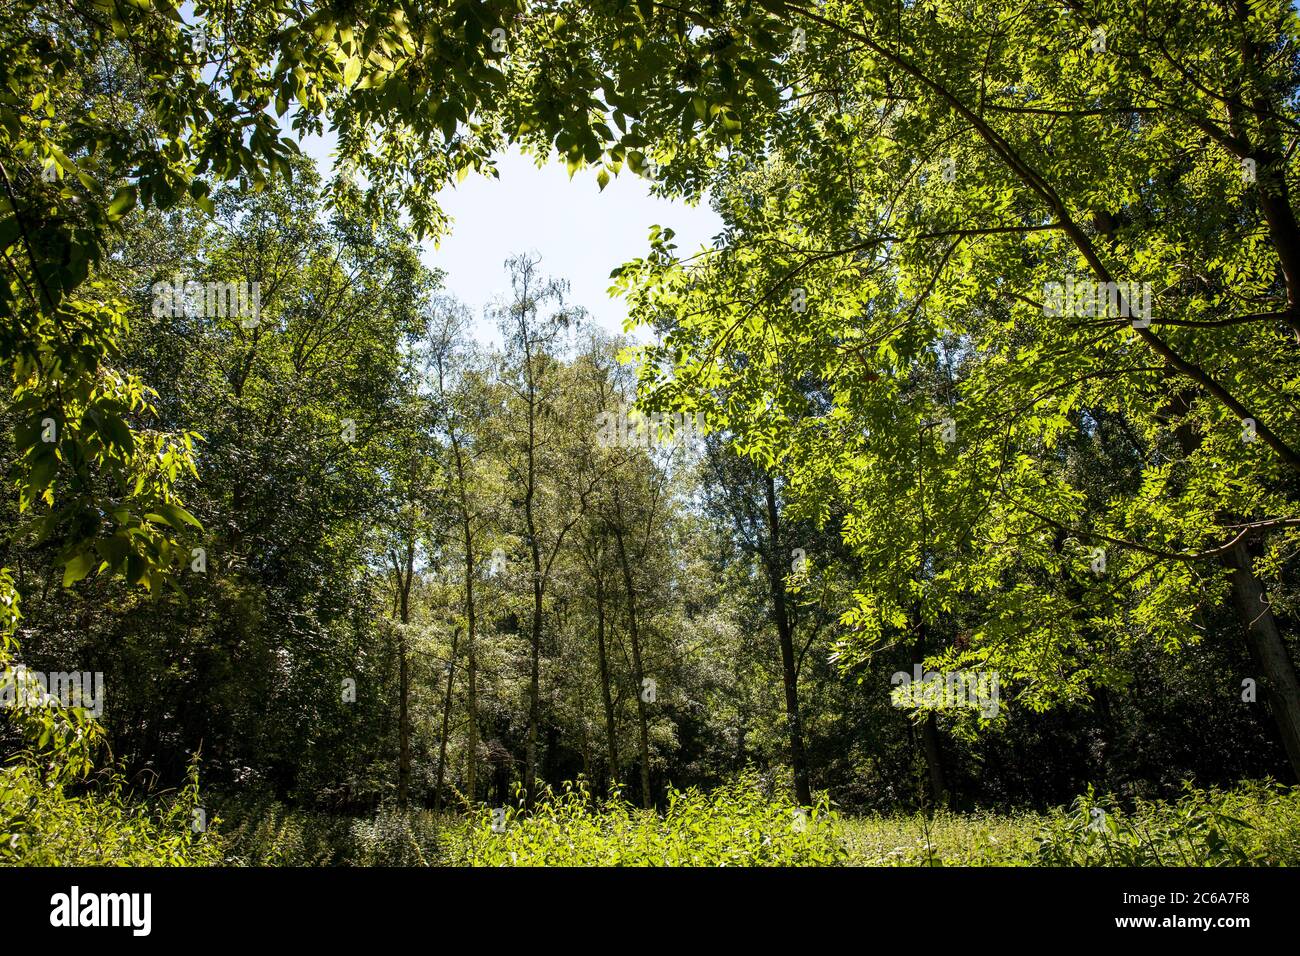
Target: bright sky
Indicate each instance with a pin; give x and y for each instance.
(580, 232)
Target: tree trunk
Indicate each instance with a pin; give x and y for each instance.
(534, 684)
(535, 631)
(446, 720)
(1259, 625)
(1280, 685)
(403, 728)
(785, 631)
(404, 683)
(471, 675)
(638, 673)
(607, 698)
(931, 746)
(934, 760)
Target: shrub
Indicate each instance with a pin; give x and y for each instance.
(260, 831)
(944, 839)
(51, 814)
(1255, 824)
(735, 825)
(43, 825)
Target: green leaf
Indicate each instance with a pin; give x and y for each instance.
(175, 515)
(77, 568)
(124, 201)
(351, 70)
(114, 431)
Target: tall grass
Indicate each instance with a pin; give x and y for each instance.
(741, 825)
(734, 825)
(44, 824)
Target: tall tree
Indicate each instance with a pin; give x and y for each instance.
(458, 375)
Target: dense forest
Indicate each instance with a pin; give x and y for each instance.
(954, 490)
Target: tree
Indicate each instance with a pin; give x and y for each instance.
(953, 248)
(416, 513)
(750, 501)
(459, 375)
(538, 442)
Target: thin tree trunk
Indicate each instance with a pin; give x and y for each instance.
(471, 675)
(403, 728)
(534, 681)
(785, 631)
(934, 760)
(535, 631)
(471, 660)
(638, 673)
(607, 698)
(931, 746)
(404, 683)
(446, 720)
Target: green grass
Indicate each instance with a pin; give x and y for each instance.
(734, 825)
(944, 838)
(47, 824)
(738, 825)
(263, 832)
(1254, 824)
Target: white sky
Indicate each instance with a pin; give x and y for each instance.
(580, 232)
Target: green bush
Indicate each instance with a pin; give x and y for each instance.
(740, 825)
(263, 832)
(43, 825)
(735, 825)
(53, 814)
(1255, 824)
(942, 839)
